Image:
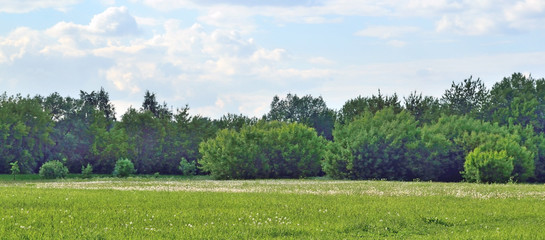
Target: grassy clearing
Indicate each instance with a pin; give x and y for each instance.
(143, 208)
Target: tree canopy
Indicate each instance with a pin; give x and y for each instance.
(470, 133)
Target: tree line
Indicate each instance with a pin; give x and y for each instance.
(470, 133)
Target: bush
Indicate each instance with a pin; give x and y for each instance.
(15, 168)
(53, 169)
(188, 168)
(266, 150)
(86, 171)
(381, 145)
(123, 168)
(488, 166)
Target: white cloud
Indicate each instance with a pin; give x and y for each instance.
(272, 55)
(18, 43)
(114, 21)
(167, 5)
(527, 15)
(122, 77)
(183, 63)
(104, 30)
(147, 21)
(248, 104)
(463, 17)
(431, 76)
(108, 2)
(386, 32)
(231, 17)
(466, 25)
(219, 64)
(23, 6)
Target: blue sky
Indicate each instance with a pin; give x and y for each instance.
(233, 56)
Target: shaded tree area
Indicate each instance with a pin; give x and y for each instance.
(307, 110)
(360, 105)
(24, 132)
(469, 133)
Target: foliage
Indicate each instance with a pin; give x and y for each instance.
(266, 150)
(394, 146)
(488, 166)
(86, 171)
(24, 132)
(424, 109)
(426, 138)
(123, 168)
(307, 110)
(518, 100)
(464, 134)
(15, 169)
(356, 107)
(376, 146)
(233, 121)
(150, 104)
(53, 169)
(187, 168)
(82, 130)
(156, 143)
(466, 98)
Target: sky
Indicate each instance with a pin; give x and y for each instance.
(222, 57)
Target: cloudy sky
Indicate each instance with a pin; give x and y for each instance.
(233, 56)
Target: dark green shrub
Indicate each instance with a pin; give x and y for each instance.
(53, 169)
(188, 168)
(464, 134)
(86, 171)
(123, 168)
(376, 146)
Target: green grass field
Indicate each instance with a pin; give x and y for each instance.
(173, 208)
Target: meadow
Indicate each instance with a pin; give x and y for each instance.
(177, 208)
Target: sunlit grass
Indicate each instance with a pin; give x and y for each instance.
(169, 208)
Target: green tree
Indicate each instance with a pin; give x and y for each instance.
(518, 100)
(233, 121)
(234, 155)
(151, 104)
(466, 98)
(465, 134)
(424, 109)
(358, 106)
(306, 110)
(106, 145)
(80, 126)
(375, 146)
(157, 141)
(24, 132)
(145, 138)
